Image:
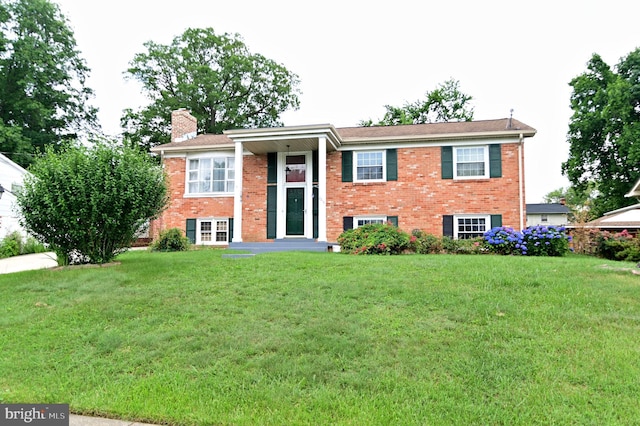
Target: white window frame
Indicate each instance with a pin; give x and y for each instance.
(485, 149)
(456, 224)
(356, 155)
(369, 219)
(194, 176)
(214, 230)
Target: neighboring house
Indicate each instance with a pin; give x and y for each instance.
(313, 182)
(626, 218)
(11, 179)
(635, 191)
(550, 214)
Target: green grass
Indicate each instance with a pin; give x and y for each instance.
(319, 338)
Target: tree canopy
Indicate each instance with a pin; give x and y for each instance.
(43, 97)
(88, 203)
(216, 77)
(604, 131)
(445, 103)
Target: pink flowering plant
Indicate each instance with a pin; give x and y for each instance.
(375, 238)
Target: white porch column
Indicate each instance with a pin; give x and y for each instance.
(322, 189)
(237, 195)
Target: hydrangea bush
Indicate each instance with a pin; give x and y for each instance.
(532, 241)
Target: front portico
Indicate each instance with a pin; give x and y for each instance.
(296, 178)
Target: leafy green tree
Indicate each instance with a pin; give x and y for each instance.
(43, 97)
(89, 203)
(604, 131)
(445, 103)
(215, 77)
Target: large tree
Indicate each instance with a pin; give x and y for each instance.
(604, 131)
(216, 77)
(88, 204)
(43, 97)
(444, 103)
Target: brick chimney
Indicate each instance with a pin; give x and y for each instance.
(184, 126)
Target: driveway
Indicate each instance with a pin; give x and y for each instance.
(28, 262)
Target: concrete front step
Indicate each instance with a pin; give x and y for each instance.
(297, 244)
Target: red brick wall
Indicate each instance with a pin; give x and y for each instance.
(420, 197)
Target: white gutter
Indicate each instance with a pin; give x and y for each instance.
(521, 181)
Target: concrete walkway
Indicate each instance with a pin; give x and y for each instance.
(75, 420)
(28, 262)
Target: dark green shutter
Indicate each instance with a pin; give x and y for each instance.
(495, 161)
(230, 229)
(496, 220)
(272, 194)
(347, 223)
(447, 226)
(272, 167)
(347, 166)
(315, 212)
(314, 161)
(447, 162)
(191, 230)
(393, 220)
(392, 164)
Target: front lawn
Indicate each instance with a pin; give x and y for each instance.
(192, 338)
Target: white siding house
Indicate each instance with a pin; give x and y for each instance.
(11, 179)
(554, 214)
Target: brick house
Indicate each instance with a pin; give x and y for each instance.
(315, 181)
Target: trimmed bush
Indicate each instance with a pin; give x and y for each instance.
(374, 239)
(423, 243)
(171, 240)
(618, 246)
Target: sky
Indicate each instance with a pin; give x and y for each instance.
(354, 57)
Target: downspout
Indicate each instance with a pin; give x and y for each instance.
(521, 181)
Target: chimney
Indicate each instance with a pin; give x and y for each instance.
(563, 201)
(184, 126)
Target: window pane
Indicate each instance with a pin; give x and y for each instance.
(295, 168)
(221, 231)
(471, 227)
(470, 161)
(205, 231)
(369, 166)
(215, 174)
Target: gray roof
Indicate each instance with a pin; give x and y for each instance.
(549, 208)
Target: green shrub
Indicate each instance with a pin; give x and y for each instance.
(171, 240)
(618, 246)
(88, 203)
(374, 238)
(423, 243)
(11, 245)
(33, 246)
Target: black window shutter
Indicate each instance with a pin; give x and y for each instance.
(447, 225)
(272, 194)
(347, 166)
(230, 229)
(496, 220)
(447, 162)
(392, 164)
(191, 230)
(315, 212)
(495, 160)
(272, 167)
(347, 223)
(314, 160)
(393, 220)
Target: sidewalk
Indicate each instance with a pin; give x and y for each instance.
(28, 262)
(75, 420)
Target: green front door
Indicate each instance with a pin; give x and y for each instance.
(295, 211)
